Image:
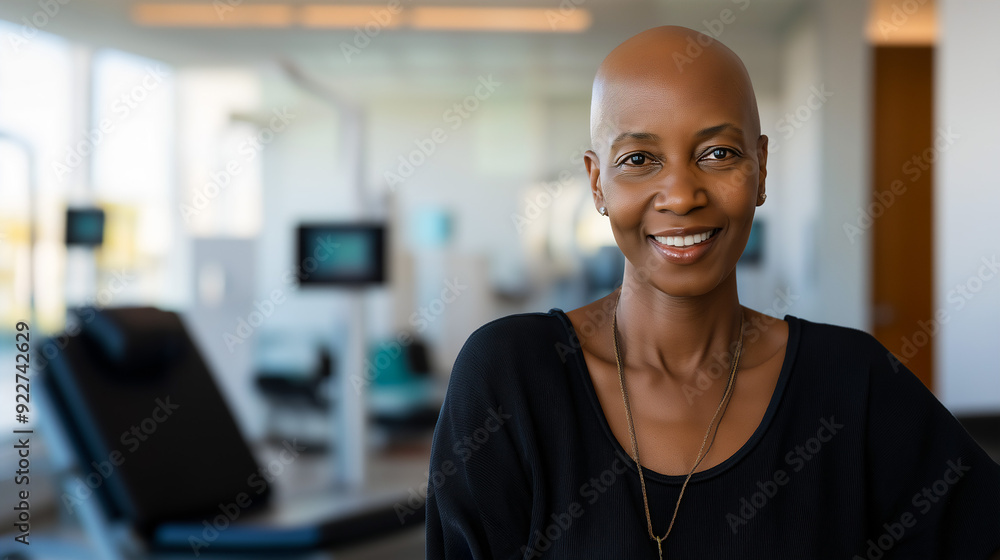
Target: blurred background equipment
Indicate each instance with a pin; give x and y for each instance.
(341, 254)
(139, 363)
(84, 226)
(294, 393)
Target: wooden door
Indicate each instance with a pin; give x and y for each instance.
(905, 147)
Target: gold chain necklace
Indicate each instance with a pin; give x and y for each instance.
(631, 428)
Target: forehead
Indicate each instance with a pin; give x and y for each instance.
(671, 104)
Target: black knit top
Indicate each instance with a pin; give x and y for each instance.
(854, 458)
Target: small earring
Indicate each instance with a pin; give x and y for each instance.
(763, 197)
(603, 211)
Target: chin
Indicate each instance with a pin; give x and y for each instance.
(685, 289)
(687, 283)
(709, 273)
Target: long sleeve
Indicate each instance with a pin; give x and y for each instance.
(934, 492)
(479, 496)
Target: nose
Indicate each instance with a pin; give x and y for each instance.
(679, 191)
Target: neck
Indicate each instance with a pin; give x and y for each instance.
(679, 337)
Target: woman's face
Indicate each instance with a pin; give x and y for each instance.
(679, 175)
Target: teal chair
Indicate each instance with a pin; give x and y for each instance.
(404, 398)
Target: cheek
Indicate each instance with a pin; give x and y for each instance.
(746, 172)
(626, 205)
(627, 212)
(741, 178)
(738, 191)
(741, 210)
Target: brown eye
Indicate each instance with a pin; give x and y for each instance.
(637, 159)
(720, 153)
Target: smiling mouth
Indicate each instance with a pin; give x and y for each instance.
(685, 240)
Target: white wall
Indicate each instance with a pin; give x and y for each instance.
(208, 140)
(799, 153)
(818, 176)
(793, 182)
(844, 271)
(966, 205)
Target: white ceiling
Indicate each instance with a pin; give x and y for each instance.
(429, 63)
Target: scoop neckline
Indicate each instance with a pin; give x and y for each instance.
(791, 348)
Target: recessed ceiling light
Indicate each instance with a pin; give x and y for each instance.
(217, 14)
(331, 16)
(500, 19)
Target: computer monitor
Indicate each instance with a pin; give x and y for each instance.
(85, 226)
(340, 254)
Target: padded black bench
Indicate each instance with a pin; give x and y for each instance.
(154, 438)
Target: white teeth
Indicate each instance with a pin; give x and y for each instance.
(684, 241)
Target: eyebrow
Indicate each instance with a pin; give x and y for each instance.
(713, 130)
(642, 136)
(650, 137)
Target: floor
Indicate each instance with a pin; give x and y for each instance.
(407, 545)
(397, 470)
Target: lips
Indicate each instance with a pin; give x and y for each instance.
(684, 245)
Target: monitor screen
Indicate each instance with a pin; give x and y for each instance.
(84, 226)
(348, 253)
(753, 253)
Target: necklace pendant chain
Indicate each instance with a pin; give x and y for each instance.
(701, 452)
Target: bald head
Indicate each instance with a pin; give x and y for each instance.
(668, 72)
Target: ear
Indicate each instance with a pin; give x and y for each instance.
(761, 166)
(593, 165)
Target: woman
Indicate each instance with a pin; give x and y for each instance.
(757, 437)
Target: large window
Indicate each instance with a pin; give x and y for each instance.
(81, 128)
(132, 176)
(36, 118)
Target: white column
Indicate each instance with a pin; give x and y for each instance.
(967, 205)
